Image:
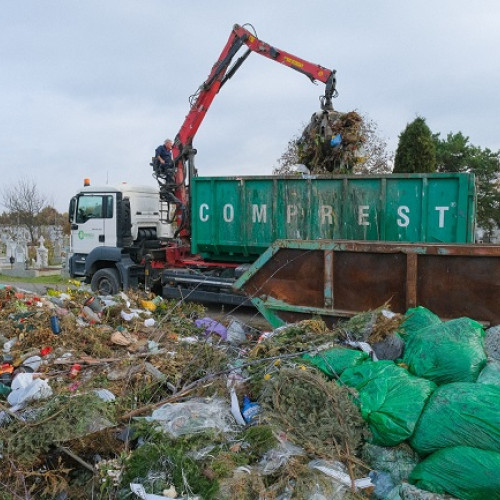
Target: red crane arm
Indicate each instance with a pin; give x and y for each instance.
(219, 75)
(183, 152)
(312, 71)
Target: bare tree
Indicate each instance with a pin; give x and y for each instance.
(289, 158)
(24, 202)
(377, 160)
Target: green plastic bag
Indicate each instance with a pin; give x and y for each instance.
(464, 472)
(359, 376)
(334, 361)
(490, 374)
(460, 414)
(417, 318)
(390, 399)
(447, 352)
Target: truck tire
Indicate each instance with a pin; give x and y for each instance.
(106, 282)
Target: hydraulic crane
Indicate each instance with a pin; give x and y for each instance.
(174, 188)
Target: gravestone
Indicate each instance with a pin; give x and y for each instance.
(20, 254)
(58, 248)
(42, 255)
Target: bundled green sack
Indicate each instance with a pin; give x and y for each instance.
(390, 399)
(359, 376)
(490, 374)
(447, 352)
(417, 318)
(464, 472)
(334, 361)
(460, 414)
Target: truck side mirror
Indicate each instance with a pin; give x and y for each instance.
(71, 211)
(124, 215)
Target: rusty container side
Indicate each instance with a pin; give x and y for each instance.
(238, 218)
(293, 279)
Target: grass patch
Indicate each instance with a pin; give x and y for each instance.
(55, 279)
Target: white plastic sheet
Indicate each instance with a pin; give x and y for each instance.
(28, 387)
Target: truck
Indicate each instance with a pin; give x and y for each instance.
(193, 237)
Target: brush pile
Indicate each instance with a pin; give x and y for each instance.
(132, 396)
(332, 142)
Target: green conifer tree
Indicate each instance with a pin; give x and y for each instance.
(457, 154)
(416, 150)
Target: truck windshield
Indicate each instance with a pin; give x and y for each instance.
(94, 207)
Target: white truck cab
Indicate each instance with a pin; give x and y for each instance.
(110, 227)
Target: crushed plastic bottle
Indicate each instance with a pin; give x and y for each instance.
(250, 411)
(90, 315)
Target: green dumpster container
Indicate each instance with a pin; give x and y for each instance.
(237, 218)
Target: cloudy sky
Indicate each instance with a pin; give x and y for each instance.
(90, 88)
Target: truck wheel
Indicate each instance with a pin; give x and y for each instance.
(106, 282)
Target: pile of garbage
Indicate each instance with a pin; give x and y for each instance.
(332, 142)
(133, 396)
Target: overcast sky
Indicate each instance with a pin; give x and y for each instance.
(89, 88)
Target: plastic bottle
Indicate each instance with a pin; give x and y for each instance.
(90, 315)
(54, 324)
(250, 411)
(9, 344)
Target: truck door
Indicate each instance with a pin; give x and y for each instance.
(94, 223)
